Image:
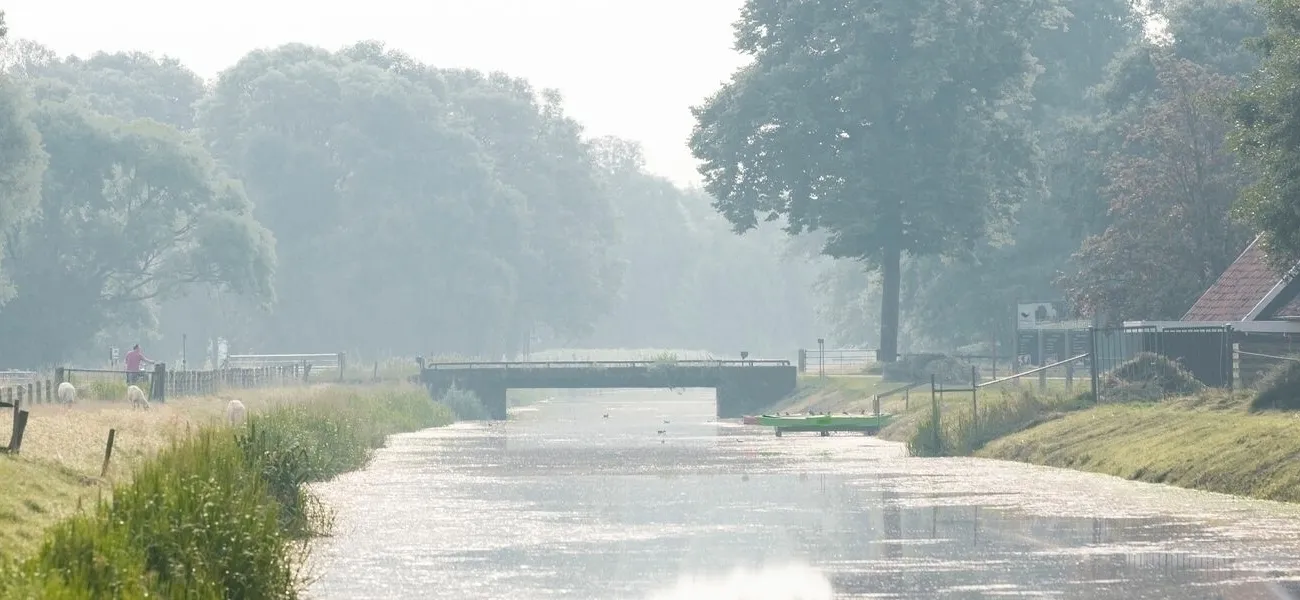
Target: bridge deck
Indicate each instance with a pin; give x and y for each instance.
(603, 364)
(741, 385)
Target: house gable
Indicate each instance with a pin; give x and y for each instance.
(1248, 290)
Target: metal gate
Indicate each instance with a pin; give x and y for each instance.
(1205, 352)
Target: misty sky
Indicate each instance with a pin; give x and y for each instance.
(631, 68)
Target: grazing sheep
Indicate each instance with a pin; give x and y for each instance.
(136, 397)
(235, 412)
(67, 393)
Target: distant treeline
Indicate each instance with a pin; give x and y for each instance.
(355, 200)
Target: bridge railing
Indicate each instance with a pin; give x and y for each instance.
(587, 364)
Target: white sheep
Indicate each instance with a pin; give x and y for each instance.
(235, 413)
(67, 393)
(136, 397)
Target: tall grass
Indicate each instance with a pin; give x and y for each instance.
(215, 515)
(961, 431)
(464, 404)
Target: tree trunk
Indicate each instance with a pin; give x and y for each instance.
(891, 274)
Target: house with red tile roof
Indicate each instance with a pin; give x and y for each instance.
(1260, 304)
(1249, 290)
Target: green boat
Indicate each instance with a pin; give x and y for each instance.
(825, 424)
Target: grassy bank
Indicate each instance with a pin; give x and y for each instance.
(1209, 442)
(912, 410)
(961, 429)
(214, 513)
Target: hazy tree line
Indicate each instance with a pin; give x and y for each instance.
(966, 155)
(309, 200)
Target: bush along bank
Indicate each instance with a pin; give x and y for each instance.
(959, 431)
(963, 432)
(218, 513)
(1156, 424)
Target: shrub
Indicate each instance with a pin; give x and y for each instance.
(961, 433)
(215, 515)
(465, 405)
(104, 389)
(917, 368)
(1279, 389)
(196, 522)
(1148, 376)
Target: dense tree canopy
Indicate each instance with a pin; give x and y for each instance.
(897, 126)
(130, 213)
(936, 162)
(1268, 134)
(359, 200)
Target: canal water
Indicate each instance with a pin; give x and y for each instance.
(660, 501)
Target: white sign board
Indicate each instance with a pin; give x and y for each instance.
(1033, 314)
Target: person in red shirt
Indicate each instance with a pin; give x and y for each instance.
(133, 360)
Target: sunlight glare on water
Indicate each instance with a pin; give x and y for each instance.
(661, 501)
(784, 582)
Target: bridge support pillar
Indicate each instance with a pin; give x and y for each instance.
(742, 392)
(493, 398)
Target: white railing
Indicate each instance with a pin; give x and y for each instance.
(10, 377)
(330, 361)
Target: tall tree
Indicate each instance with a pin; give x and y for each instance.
(897, 126)
(1267, 134)
(22, 163)
(1171, 191)
(130, 213)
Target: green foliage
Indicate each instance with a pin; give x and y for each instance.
(1148, 377)
(923, 159)
(22, 164)
(487, 196)
(111, 390)
(961, 432)
(129, 213)
(1279, 389)
(1171, 191)
(917, 368)
(215, 515)
(465, 404)
(1267, 112)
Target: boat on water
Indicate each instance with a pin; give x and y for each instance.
(826, 423)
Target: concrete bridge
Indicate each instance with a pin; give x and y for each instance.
(742, 386)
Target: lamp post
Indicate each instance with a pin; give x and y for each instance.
(821, 357)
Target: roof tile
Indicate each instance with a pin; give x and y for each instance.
(1238, 290)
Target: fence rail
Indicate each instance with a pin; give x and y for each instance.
(580, 364)
(159, 384)
(836, 361)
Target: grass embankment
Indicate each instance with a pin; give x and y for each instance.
(1210, 441)
(213, 514)
(912, 409)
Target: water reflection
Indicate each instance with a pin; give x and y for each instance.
(562, 503)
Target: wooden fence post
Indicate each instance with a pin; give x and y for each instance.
(108, 453)
(20, 426)
(158, 383)
(934, 415)
(49, 392)
(60, 375)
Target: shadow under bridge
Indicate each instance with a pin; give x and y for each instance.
(741, 386)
